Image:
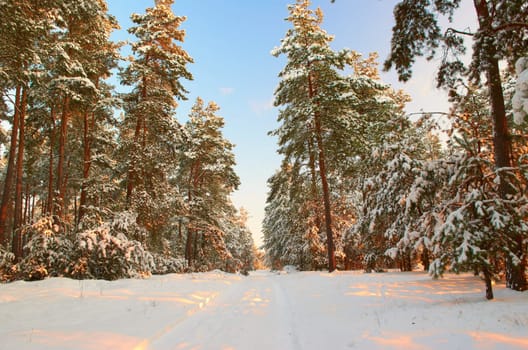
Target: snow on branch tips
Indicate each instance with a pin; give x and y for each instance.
(520, 98)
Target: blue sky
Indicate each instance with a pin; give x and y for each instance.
(230, 42)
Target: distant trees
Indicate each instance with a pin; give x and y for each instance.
(90, 194)
(207, 178)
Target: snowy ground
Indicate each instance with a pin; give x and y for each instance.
(343, 310)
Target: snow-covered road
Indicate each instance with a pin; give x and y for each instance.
(253, 313)
(315, 310)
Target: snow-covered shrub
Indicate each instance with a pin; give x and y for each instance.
(396, 201)
(167, 264)
(125, 222)
(479, 226)
(290, 269)
(102, 253)
(385, 226)
(7, 265)
(48, 251)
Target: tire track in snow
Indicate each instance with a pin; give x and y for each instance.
(288, 313)
(145, 344)
(253, 313)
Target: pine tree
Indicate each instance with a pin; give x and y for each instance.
(478, 226)
(311, 93)
(207, 178)
(291, 231)
(397, 193)
(97, 114)
(150, 134)
(22, 24)
(501, 35)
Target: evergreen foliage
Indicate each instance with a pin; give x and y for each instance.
(501, 36)
(520, 98)
(322, 110)
(314, 98)
(395, 198)
(207, 179)
(149, 133)
(94, 195)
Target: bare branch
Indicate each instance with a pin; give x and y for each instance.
(461, 32)
(428, 113)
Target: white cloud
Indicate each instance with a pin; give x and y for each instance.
(260, 106)
(226, 90)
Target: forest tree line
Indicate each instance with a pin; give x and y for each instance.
(364, 185)
(101, 184)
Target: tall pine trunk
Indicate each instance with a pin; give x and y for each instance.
(89, 125)
(515, 271)
(17, 223)
(188, 243)
(27, 204)
(326, 197)
(330, 246)
(189, 246)
(10, 173)
(87, 161)
(63, 138)
(132, 173)
(49, 201)
(315, 194)
(488, 282)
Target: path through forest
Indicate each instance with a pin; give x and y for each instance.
(253, 313)
(266, 310)
(332, 311)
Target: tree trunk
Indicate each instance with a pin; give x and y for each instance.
(65, 199)
(10, 173)
(326, 197)
(405, 261)
(489, 284)
(75, 212)
(63, 137)
(32, 212)
(195, 246)
(188, 247)
(17, 224)
(324, 182)
(179, 230)
(426, 260)
(515, 272)
(132, 174)
(49, 202)
(27, 204)
(87, 162)
(315, 193)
